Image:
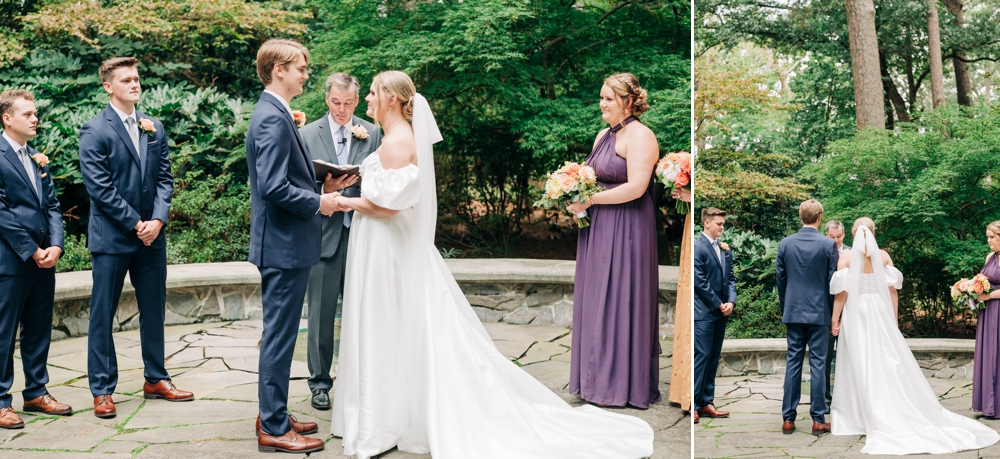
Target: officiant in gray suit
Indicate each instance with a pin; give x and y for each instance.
(340, 138)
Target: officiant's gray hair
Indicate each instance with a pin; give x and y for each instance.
(834, 224)
(343, 82)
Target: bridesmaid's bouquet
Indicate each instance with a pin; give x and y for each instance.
(674, 170)
(573, 182)
(968, 290)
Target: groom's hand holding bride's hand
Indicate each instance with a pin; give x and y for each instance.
(328, 203)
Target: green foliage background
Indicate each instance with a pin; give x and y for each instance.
(514, 86)
(775, 102)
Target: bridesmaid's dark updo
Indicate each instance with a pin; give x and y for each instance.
(633, 97)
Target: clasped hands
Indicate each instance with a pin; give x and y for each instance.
(332, 201)
(148, 230)
(727, 308)
(47, 258)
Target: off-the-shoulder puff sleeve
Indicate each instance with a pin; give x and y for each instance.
(395, 189)
(894, 277)
(839, 282)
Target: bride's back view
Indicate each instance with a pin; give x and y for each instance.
(417, 369)
(880, 391)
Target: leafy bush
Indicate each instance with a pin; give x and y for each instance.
(757, 314)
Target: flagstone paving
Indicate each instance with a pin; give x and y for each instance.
(218, 362)
(753, 428)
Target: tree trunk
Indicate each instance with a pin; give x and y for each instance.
(889, 86)
(868, 100)
(934, 52)
(963, 82)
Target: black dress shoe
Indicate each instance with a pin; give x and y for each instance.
(321, 399)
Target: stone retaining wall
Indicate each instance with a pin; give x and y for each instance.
(938, 358)
(515, 291)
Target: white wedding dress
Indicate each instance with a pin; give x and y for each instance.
(879, 390)
(417, 369)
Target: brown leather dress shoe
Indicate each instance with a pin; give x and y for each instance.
(9, 419)
(104, 407)
(709, 411)
(303, 428)
(788, 427)
(820, 428)
(47, 404)
(290, 442)
(166, 390)
(694, 414)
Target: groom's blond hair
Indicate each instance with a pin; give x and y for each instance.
(278, 51)
(810, 211)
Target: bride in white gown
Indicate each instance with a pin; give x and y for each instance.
(880, 391)
(416, 367)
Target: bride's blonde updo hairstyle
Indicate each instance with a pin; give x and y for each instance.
(399, 84)
(863, 221)
(633, 98)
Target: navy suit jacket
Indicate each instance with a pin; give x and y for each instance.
(805, 265)
(285, 225)
(27, 223)
(714, 284)
(121, 192)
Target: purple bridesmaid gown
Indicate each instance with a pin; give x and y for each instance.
(986, 370)
(615, 356)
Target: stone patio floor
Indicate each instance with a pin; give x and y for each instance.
(218, 362)
(753, 428)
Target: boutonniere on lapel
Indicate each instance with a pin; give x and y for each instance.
(724, 246)
(359, 131)
(300, 117)
(147, 126)
(41, 161)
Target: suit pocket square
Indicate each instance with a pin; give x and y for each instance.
(153, 142)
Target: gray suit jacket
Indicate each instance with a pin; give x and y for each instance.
(319, 144)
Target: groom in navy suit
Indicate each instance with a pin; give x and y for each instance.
(31, 239)
(805, 265)
(285, 233)
(714, 300)
(125, 165)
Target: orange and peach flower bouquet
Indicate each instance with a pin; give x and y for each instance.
(574, 183)
(968, 290)
(674, 171)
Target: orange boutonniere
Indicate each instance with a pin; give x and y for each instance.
(42, 161)
(724, 246)
(359, 131)
(147, 126)
(300, 117)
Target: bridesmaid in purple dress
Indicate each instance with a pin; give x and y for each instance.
(615, 353)
(986, 373)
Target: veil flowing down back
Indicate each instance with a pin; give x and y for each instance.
(417, 368)
(880, 390)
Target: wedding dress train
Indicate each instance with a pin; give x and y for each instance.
(417, 369)
(880, 391)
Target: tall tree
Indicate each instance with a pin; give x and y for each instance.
(934, 54)
(868, 101)
(963, 83)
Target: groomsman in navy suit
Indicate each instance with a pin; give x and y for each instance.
(31, 239)
(285, 234)
(714, 301)
(804, 267)
(126, 168)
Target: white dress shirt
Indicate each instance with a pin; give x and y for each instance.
(718, 251)
(334, 127)
(27, 169)
(124, 116)
(288, 108)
